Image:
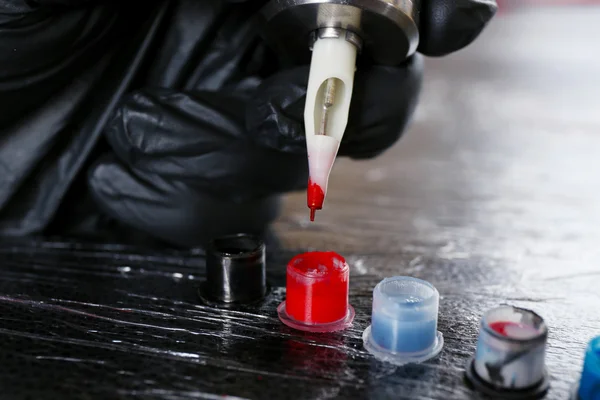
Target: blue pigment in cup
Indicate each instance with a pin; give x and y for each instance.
(404, 321)
(589, 384)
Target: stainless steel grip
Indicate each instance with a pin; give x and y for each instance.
(388, 29)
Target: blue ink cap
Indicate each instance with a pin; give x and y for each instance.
(404, 321)
(589, 384)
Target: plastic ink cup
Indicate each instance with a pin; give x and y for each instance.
(404, 321)
(235, 271)
(510, 355)
(589, 384)
(317, 293)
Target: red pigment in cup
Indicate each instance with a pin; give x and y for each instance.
(513, 329)
(317, 287)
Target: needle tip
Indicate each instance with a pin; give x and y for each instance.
(312, 214)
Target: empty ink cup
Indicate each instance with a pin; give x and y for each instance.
(589, 384)
(510, 356)
(317, 293)
(404, 321)
(235, 270)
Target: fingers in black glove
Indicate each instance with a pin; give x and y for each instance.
(185, 169)
(447, 26)
(200, 139)
(383, 102)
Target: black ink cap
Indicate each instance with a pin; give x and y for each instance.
(235, 270)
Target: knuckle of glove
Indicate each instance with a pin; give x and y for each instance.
(450, 25)
(200, 139)
(166, 132)
(275, 116)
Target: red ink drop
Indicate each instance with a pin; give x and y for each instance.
(315, 198)
(501, 326)
(317, 287)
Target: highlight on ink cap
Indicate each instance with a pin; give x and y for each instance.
(510, 356)
(404, 321)
(317, 293)
(589, 383)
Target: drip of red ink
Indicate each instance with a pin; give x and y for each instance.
(502, 326)
(317, 287)
(315, 197)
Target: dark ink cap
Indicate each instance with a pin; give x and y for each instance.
(235, 270)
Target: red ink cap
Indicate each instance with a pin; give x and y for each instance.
(315, 197)
(317, 293)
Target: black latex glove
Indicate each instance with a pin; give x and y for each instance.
(209, 152)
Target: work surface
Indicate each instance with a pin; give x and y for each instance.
(492, 196)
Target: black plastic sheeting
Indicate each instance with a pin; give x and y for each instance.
(92, 321)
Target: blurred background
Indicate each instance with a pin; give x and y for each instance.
(508, 5)
(505, 5)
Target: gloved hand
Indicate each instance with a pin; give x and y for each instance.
(217, 133)
(211, 132)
